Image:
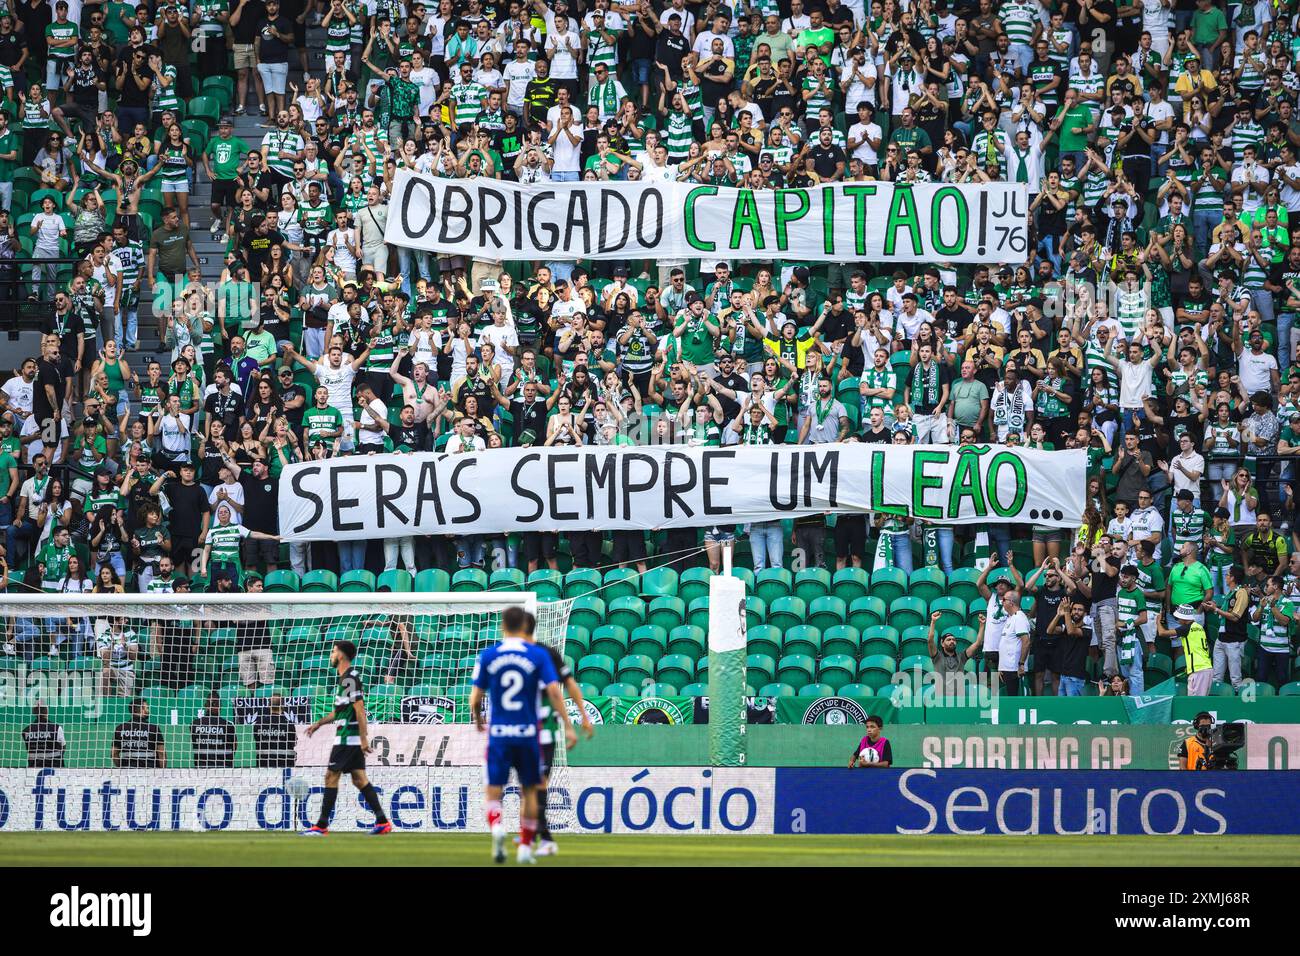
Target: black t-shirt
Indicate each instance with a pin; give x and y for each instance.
(275, 740)
(1072, 656)
(228, 408)
(260, 497)
(189, 504)
(411, 437)
(136, 742)
(54, 375)
(731, 407)
(250, 20)
(272, 49)
(529, 415)
(294, 415)
(1104, 586)
(826, 158)
(670, 51)
(925, 404)
(882, 437)
(12, 46)
(257, 248)
(213, 741)
(1045, 604)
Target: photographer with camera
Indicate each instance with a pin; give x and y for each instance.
(1194, 752)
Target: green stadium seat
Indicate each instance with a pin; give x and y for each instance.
(888, 584)
(667, 612)
(1258, 688)
(675, 669)
(746, 575)
(589, 690)
(610, 640)
(812, 583)
(787, 612)
(596, 669)
(965, 635)
(764, 639)
(755, 611)
(907, 612)
(693, 583)
(804, 639)
(587, 611)
(827, 612)
(577, 640)
(620, 583)
(1157, 669)
(627, 612)
(926, 584)
(914, 641)
(358, 580)
(776, 690)
(689, 640)
(795, 669)
(702, 669)
(581, 581)
(815, 689)
(281, 582)
(205, 108)
(621, 689)
(849, 584)
(846, 391)
(648, 640)
(880, 640)
(636, 669)
(773, 583)
(506, 579)
(659, 582)
(220, 88)
(1222, 688)
(1290, 690)
(321, 580)
(548, 585)
(961, 584)
(759, 669)
(395, 581)
(695, 690)
(659, 689)
(470, 580)
(857, 690)
(432, 580)
(867, 612)
(953, 610)
(841, 639)
(697, 613)
(876, 671)
(837, 670)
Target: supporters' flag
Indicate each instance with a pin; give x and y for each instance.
(930, 541)
(981, 551)
(1156, 706)
(884, 552)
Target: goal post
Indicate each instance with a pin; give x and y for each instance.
(231, 682)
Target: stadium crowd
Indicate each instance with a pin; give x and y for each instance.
(1152, 320)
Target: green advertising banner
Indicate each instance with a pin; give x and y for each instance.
(641, 710)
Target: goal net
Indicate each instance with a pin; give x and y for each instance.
(174, 712)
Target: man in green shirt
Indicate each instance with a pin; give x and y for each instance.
(8, 479)
(696, 334)
(322, 422)
(61, 37)
(221, 162)
(1190, 582)
(53, 559)
(1209, 29)
(10, 152)
(817, 35)
(1074, 127)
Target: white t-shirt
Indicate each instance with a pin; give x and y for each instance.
(234, 493)
(501, 336)
(567, 154)
(427, 80)
(48, 228)
(1251, 198)
(20, 392)
(562, 50)
(704, 44)
(1256, 371)
(864, 132)
(339, 383)
(1009, 641)
(371, 415)
(1134, 383)
(517, 75)
(1289, 195)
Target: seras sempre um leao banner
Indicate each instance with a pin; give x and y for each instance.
(673, 486)
(840, 222)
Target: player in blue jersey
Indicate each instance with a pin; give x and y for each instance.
(513, 674)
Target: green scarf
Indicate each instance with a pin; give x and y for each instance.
(925, 385)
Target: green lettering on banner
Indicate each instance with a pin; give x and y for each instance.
(878, 487)
(689, 219)
(937, 218)
(860, 195)
(903, 215)
(828, 221)
(991, 485)
(785, 215)
(922, 481)
(745, 216)
(966, 482)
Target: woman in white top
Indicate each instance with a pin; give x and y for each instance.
(1241, 500)
(48, 228)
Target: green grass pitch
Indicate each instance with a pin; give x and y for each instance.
(459, 849)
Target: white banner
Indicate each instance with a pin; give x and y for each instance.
(839, 222)
(430, 799)
(673, 486)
